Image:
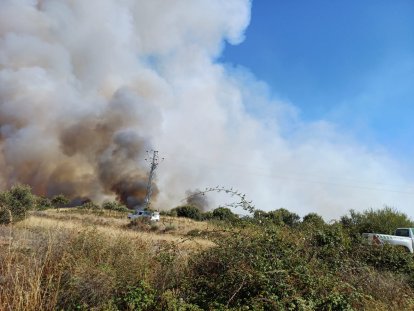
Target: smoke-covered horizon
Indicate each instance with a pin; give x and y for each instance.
(86, 87)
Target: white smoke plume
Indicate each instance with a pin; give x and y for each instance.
(86, 87)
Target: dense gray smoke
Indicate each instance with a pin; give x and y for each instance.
(198, 199)
(86, 87)
(67, 126)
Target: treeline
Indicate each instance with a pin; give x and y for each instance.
(384, 220)
(19, 199)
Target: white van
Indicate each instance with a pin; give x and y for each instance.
(153, 216)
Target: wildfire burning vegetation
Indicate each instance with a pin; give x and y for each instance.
(94, 156)
(72, 121)
(88, 86)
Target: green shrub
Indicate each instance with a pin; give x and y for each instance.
(280, 216)
(331, 236)
(59, 201)
(171, 213)
(207, 215)
(89, 205)
(114, 206)
(139, 297)
(336, 301)
(15, 203)
(331, 244)
(223, 213)
(284, 216)
(6, 216)
(384, 220)
(43, 203)
(172, 302)
(264, 268)
(188, 211)
(313, 219)
(386, 258)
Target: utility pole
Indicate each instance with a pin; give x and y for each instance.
(154, 164)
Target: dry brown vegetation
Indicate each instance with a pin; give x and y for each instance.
(71, 260)
(171, 229)
(79, 259)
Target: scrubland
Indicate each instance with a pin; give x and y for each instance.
(80, 259)
(74, 260)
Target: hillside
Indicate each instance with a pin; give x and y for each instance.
(77, 259)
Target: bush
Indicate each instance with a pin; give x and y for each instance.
(332, 237)
(313, 219)
(114, 206)
(90, 206)
(224, 213)
(59, 201)
(384, 220)
(138, 297)
(386, 258)
(280, 216)
(265, 269)
(331, 244)
(188, 211)
(259, 214)
(171, 301)
(15, 203)
(207, 215)
(43, 203)
(6, 216)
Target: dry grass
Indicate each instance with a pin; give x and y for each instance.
(117, 228)
(53, 259)
(182, 225)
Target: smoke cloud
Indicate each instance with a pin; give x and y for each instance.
(86, 87)
(198, 199)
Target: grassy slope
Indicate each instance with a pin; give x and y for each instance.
(52, 258)
(75, 260)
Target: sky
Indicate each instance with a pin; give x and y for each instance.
(347, 62)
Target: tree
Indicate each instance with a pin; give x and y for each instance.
(384, 220)
(224, 213)
(188, 211)
(89, 205)
(59, 201)
(114, 206)
(313, 219)
(259, 214)
(43, 203)
(15, 203)
(282, 216)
